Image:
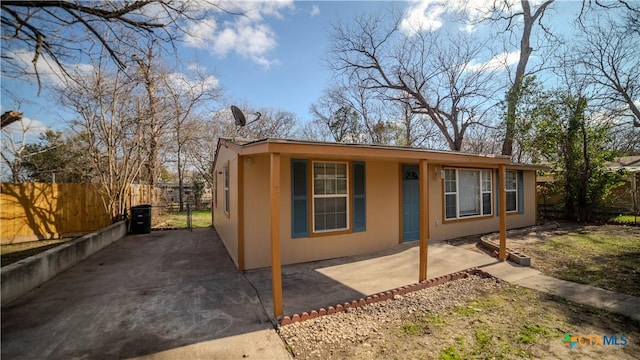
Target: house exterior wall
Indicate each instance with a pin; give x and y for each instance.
(227, 224)
(257, 211)
(383, 184)
(383, 179)
(382, 209)
(441, 229)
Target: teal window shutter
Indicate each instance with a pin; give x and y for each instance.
(299, 199)
(359, 194)
(521, 191)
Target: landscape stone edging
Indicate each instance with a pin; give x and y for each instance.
(25, 275)
(525, 230)
(512, 255)
(382, 296)
(489, 242)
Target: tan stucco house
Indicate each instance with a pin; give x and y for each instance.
(344, 199)
(281, 201)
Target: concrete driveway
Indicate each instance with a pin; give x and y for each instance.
(171, 294)
(177, 295)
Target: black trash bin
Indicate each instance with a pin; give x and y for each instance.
(140, 219)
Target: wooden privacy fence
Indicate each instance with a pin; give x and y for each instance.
(35, 211)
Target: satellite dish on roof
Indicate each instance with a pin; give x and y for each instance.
(239, 117)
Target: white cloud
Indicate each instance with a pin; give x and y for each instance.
(202, 33)
(196, 67)
(50, 74)
(48, 71)
(468, 28)
(182, 82)
(27, 126)
(429, 15)
(252, 41)
(496, 63)
(249, 35)
(423, 15)
(315, 10)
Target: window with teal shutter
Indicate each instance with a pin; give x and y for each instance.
(511, 190)
(299, 199)
(520, 192)
(359, 202)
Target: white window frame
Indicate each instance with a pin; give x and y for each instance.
(514, 190)
(482, 192)
(225, 185)
(325, 196)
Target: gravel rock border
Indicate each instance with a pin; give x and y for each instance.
(358, 326)
(383, 296)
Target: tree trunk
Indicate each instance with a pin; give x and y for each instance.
(513, 95)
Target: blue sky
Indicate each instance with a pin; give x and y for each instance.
(273, 57)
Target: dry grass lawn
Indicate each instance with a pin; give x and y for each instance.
(605, 256)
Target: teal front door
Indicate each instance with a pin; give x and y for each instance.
(410, 203)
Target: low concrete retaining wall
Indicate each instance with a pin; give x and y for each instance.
(25, 275)
(491, 242)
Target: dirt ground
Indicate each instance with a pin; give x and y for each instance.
(467, 318)
(487, 318)
(604, 256)
(15, 252)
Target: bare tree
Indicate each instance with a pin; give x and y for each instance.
(608, 54)
(335, 111)
(503, 11)
(185, 98)
(351, 112)
(411, 129)
(315, 130)
(435, 76)
(408, 120)
(14, 143)
(272, 123)
(210, 127)
(115, 139)
(63, 32)
(203, 152)
(147, 74)
(482, 141)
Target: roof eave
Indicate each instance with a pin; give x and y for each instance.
(310, 148)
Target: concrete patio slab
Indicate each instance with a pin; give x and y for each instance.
(319, 284)
(326, 283)
(162, 295)
(261, 344)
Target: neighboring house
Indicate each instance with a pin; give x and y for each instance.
(623, 196)
(621, 199)
(340, 199)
